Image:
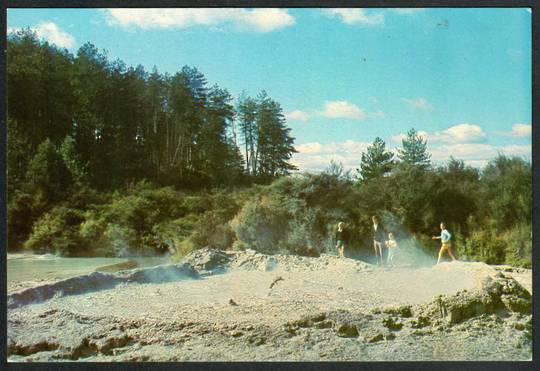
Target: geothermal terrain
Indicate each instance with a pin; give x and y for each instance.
(245, 306)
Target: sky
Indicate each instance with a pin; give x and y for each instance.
(460, 77)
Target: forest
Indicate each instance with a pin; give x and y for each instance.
(106, 159)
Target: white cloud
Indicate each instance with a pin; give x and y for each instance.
(465, 142)
(461, 133)
(316, 156)
(337, 109)
(521, 130)
(261, 20)
(355, 16)
(418, 104)
(343, 109)
(518, 150)
(52, 33)
(477, 154)
(462, 151)
(297, 115)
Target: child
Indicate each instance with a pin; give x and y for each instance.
(341, 237)
(392, 248)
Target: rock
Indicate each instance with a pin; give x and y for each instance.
(208, 259)
(404, 311)
(347, 330)
(390, 336)
(32, 348)
(392, 324)
(496, 294)
(256, 340)
(236, 333)
(517, 304)
(420, 321)
(112, 268)
(375, 338)
(116, 339)
(518, 326)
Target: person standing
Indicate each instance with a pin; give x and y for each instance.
(342, 237)
(392, 246)
(446, 246)
(379, 237)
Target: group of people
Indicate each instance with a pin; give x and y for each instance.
(382, 239)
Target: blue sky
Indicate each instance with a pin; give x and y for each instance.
(462, 77)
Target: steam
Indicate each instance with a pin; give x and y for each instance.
(97, 281)
(412, 252)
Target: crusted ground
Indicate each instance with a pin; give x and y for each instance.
(245, 306)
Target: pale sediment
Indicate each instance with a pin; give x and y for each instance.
(282, 308)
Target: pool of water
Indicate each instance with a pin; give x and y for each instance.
(30, 267)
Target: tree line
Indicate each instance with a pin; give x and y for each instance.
(105, 159)
(123, 124)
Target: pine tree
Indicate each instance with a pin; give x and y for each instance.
(275, 145)
(376, 161)
(414, 150)
(48, 176)
(247, 113)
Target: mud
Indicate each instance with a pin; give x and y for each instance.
(244, 306)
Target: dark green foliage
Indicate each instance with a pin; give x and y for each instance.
(507, 191)
(57, 231)
(120, 124)
(376, 161)
(262, 225)
(23, 210)
(47, 176)
(414, 151)
(104, 159)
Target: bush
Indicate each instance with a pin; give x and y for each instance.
(57, 232)
(518, 249)
(511, 247)
(22, 212)
(262, 225)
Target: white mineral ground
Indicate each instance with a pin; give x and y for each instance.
(236, 316)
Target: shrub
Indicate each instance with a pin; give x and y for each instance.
(183, 248)
(518, 249)
(22, 212)
(57, 232)
(262, 225)
(119, 239)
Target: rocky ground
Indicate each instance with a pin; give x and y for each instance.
(245, 306)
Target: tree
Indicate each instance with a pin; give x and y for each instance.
(376, 161)
(71, 159)
(274, 145)
(48, 176)
(217, 150)
(247, 114)
(507, 191)
(40, 95)
(414, 150)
